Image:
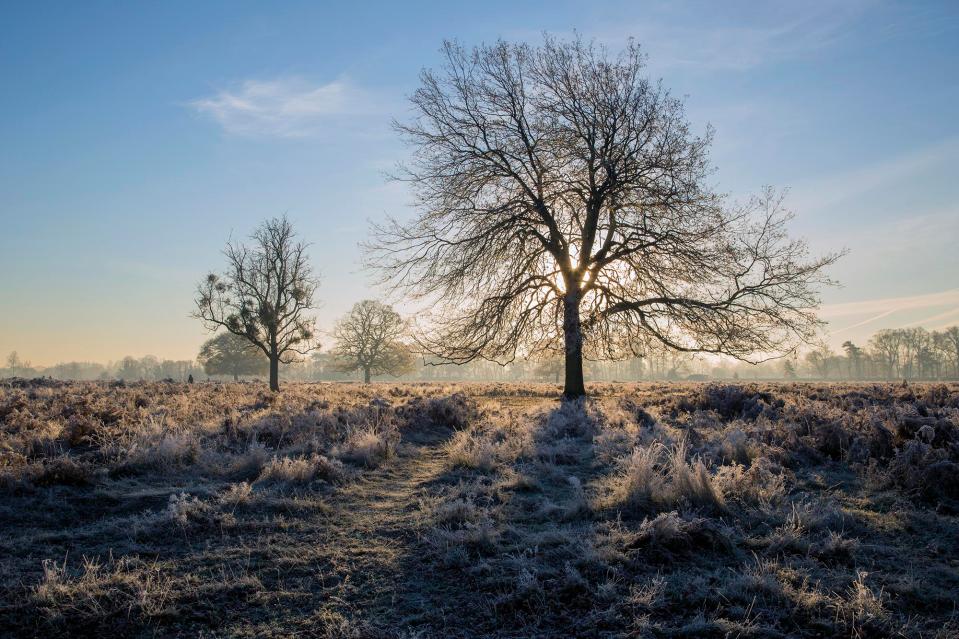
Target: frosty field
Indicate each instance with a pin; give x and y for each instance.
(426, 510)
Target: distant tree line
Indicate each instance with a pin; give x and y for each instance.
(897, 353)
(890, 354)
(147, 368)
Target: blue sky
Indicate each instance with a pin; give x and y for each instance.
(136, 137)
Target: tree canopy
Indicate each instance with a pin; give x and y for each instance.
(565, 204)
(370, 339)
(229, 354)
(264, 294)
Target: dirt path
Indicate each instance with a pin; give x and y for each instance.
(373, 538)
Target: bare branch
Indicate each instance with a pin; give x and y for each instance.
(263, 294)
(564, 200)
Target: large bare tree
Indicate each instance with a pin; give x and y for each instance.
(370, 339)
(565, 204)
(264, 294)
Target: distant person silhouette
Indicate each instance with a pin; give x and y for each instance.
(189, 379)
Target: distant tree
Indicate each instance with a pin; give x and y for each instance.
(820, 359)
(370, 339)
(937, 355)
(550, 367)
(129, 369)
(885, 346)
(13, 363)
(913, 343)
(229, 354)
(176, 369)
(565, 205)
(789, 369)
(320, 364)
(150, 367)
(950, 338)
(678, 367)
(263, 295)
(854, 355)
(870, 368)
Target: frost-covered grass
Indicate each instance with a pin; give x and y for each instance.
(479, 510)
(706, 510)
(56, 433)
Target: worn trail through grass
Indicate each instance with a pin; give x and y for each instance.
(373, 530)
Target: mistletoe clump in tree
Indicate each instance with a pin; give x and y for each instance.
(263, 295)
(564, 205)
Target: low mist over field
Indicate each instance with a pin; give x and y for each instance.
(621, 320)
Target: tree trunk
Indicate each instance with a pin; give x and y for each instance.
(366, 376)
(573, 334)
(274, 374)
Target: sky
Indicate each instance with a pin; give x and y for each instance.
(137, 138)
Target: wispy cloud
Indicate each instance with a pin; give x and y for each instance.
(826, 193)
(792, 31)
(877, 309)
(286, 107)
(915, 237)
(865, 307)
(738, 48)
(864, 322)
(936, 321)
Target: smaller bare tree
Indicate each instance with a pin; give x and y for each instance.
(13, 363)
(370, 339)
(229, 354)
(820, 359)
(263, 295)
(885, 345)
(549, 367)
(854, 355)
